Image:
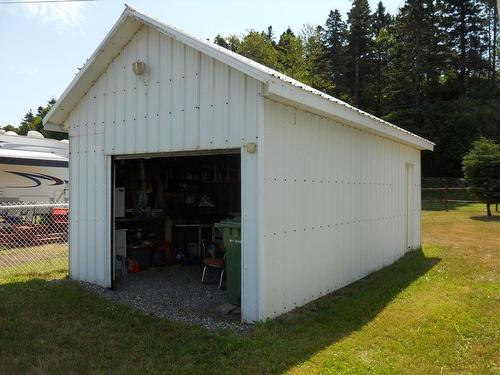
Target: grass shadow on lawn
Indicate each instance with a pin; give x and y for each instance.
(440, 206)
(486, 218)
(64, 329)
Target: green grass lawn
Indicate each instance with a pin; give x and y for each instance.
(32, 260)
(434, 311)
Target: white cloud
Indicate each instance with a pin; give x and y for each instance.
(29, 71)
(63, 15)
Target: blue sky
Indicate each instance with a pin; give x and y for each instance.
(42, 45)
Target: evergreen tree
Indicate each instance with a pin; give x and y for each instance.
(233, 42)
(221, 41)
(383, 42)
(32, 122)
(291, 55)
(464, 23)
(315, 59)
(492, 39)
(258, 47)
(270, 35)
(381, 19)
(335, 39)
(27, 123)
(359, 52)
(411, 69)
(420, 57)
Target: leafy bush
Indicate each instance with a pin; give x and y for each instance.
(481, 166)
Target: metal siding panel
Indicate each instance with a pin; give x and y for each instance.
(206, 102)
(153, 93)
(90, 242)
(235, 105)
(165, 68)
(191, 112)
(100, 105)
(178, 95)
(100, 210)
(82, 212)
(91, 210)
(119, 75)
(142, 87)
(251, 87)
(332, 200)
(107, 221)
(174, 111)
(221, 104)
(109, 108)
(74, 219)
(130, 93)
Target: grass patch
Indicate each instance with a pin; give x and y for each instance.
(34, 260)
(454, 206)
(434, 311)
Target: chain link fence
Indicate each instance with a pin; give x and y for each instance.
(33, 238)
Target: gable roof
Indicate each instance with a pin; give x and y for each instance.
(277, 86)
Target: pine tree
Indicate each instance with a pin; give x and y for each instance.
(32, 122)
(465, 28)
(382, 23)
(315, 59)
(291, 55)
(359, 52)
(27, 123)
(420, 56)
(270, 35)
(407, 69)
(335, 39)
(492, 39)
(233, 42)
(381, 18)
(221, 41)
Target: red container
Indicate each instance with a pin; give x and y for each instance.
(60, 215)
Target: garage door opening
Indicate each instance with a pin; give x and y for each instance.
(177, 231)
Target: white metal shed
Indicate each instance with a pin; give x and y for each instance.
(330, 195)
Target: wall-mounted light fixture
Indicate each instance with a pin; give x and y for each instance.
(139, 67)
(251, 148)
(141, 70)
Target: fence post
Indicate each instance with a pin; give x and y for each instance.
(446, 197)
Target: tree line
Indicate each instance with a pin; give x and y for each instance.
(33, 121)
(431, 68)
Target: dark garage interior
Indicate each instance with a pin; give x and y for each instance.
(177, 231)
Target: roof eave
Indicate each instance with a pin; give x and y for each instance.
(109, 48)
(344, 113)
(54, 127)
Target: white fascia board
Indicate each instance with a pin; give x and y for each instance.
(54, 127)
(344, 113)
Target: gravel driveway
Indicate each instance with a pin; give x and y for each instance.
(176, 293)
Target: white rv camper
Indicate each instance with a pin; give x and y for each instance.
(32, 168)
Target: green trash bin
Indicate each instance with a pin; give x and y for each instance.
(231, 241)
